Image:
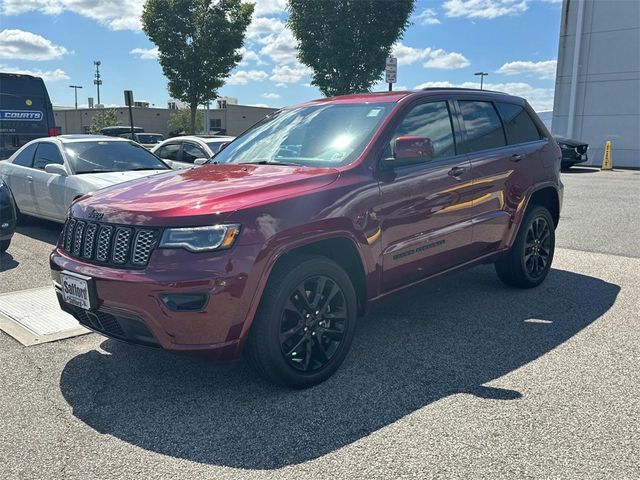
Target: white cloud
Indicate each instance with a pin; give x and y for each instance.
(263, 105)
(541, 99)
(486, 9)
(115, 14)
(282, 48)
(446, 60)
(283, 74)
(145, 53)
(435, 58)
(261, 26)
(47, 75)
(545, 69)
(269, 6)
(271, 95)
(428, 17)
(242, 77)
(249, 56)
(20, 45)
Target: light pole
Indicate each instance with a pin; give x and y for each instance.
(97, 82)
(75, 90)
(481, 75)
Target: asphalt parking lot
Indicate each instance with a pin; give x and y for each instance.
(459, 378)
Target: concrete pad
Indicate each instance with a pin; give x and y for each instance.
(33, 316)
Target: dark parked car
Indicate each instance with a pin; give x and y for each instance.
(7, 217)
(279, 243)
(573, 151)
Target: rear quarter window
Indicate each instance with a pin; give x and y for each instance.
(518, 124)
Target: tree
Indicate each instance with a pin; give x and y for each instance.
(198, 43)
(180, 121)
(105, 118)
(346, 42)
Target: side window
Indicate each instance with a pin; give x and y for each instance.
(47, 153)
(518, 125)
(430, 125)
(483, 126)
(25, 157)
(169, 151)
(191, 151)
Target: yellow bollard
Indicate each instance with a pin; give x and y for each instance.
(606, 161)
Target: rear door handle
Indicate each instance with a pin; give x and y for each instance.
(29, 178)
(516, 157)
(457, 171)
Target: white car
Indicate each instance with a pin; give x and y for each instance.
(47, 174)
(182, 152)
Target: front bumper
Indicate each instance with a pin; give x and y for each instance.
(129, 306)
(7, 214)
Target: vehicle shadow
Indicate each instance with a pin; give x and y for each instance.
(447, 337)
(580, 170)
(7, 262)
(40, 229)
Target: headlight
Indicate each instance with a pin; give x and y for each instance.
(201, 239)
(564, 145)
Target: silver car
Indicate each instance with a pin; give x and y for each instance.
(182, 152)
(47, 174)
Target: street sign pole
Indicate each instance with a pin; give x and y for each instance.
(128, 101)
(391, 71)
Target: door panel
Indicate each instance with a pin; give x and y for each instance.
(49, 189)
(426, 208)
(425, 219)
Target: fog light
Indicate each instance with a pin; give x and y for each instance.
(185, 302)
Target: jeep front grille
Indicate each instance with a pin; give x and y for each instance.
(114, 245)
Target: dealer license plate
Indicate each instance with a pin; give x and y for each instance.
(75, 290)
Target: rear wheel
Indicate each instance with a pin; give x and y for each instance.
(529, 260)
(305, 324)
(4, 245)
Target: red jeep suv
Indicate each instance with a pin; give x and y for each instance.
(280, 242)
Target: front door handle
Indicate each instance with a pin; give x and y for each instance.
(29, 178)
(457, 171)
(516, 157)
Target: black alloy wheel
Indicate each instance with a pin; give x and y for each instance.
(537, 246)
(313, 323)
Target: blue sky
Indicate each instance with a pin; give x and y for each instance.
(516, 41)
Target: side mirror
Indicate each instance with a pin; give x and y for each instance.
(56, 169)
(200, 161)
(412, 148)
(223, 146)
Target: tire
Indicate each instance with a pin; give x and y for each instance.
(4, 245)
(528, 262)
(299, 338)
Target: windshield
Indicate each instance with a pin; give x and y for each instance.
(105, 156)
(149, 138)
(318, 135)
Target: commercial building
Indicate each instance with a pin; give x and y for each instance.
(231, 120)
(597, 95)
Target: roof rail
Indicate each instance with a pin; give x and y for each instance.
(463, 89)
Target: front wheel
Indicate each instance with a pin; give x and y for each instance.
(528, 262)
(305, 323)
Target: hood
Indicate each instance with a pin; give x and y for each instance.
(187, 197)
(107, 179)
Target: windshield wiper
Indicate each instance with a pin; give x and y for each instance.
(146, 168)
(266, 162)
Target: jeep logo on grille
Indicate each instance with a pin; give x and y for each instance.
(96, 215)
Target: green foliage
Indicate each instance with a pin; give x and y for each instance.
(105, 118)
(198, 42)
(346, 42)
(180, 121)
